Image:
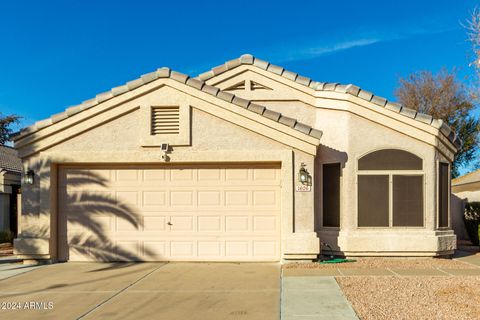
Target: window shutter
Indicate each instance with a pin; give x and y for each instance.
(165, 120)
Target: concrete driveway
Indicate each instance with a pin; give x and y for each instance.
(144, 291)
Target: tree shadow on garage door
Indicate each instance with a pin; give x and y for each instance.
(88, 214)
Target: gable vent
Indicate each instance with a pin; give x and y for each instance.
(165, 120)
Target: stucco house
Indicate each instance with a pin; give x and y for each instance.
(245, 162)
(10, 174)
(464, 189)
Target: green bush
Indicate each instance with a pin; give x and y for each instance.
(6, 236)
(471, 217)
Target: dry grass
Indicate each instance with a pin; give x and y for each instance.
(396, 263)
(413, 297)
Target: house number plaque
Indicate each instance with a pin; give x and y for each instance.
(303, 188)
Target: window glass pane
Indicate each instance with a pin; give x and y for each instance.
(443, 194)
(407, 201)
(390, 159)
(331, 195)
(373, 201)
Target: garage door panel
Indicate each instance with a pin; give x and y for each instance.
(155, 223)
(265, 224)
(156, 250)
(127, 175)
(182, 249)
(177, 175)
(172, 213)
(210, 175)
(155, 175)
(210, 224)
(237, 249)
(181, 198)
(182, 223)
(128, 250)
(155, 198)
(237, 224)
(265, 175)
(237, 175)
(210, 198)
(210, 248)
(237, 198)
(132, 225)
(264, 248)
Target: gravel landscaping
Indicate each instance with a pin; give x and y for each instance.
(397, 263)
(413, 297)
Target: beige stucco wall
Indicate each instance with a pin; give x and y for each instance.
(346, 137)
(118, 141)
(457, 207)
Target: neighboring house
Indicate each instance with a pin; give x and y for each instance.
(247, 174)
(10, 174)
(464, 189)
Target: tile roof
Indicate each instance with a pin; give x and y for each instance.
(9, 159)
(471, 177)
(177, 76)
(351, 89)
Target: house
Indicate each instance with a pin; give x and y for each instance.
(464, 189)
(246, 162)
(10, 174)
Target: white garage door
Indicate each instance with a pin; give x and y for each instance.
(170, 213)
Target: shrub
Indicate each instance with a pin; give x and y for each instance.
(471, 217)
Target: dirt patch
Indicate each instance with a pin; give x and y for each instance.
(395, 263)
(413, 297)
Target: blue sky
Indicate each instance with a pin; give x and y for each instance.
(55, 54)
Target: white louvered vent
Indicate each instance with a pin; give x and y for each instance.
(165, 120)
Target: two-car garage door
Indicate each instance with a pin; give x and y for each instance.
(169, 213)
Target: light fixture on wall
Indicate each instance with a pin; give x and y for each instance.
(165, 149)
(29, 177)
(303, 176)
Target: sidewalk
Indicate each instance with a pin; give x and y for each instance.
(314, 298)
(8, 270)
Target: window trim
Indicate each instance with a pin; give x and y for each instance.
(390, 174)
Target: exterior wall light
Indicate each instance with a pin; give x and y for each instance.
(303, 176)
(29, 177)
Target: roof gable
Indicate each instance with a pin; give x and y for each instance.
(320, 87)
(113, 98)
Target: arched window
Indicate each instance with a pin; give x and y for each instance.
(390, 159)
(390, 189)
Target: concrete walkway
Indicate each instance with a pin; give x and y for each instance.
(8, 270)
(145, 291)
(314, 298)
